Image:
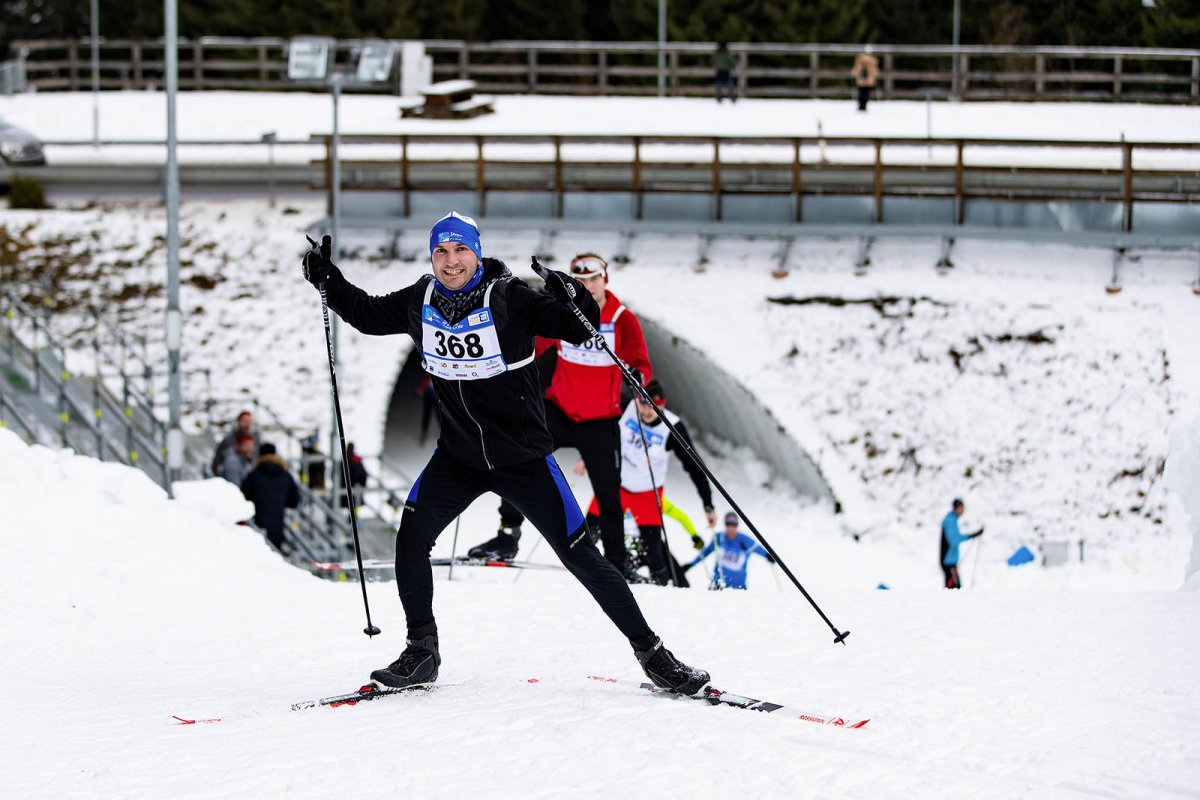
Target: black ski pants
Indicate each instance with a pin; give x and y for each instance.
(864, 94)
(599, 443)
(538, 490)
(950, 574)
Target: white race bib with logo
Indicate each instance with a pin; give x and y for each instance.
(468, 350)
(635, 472)
(733, 559)
(590, 353)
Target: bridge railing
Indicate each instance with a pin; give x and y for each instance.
(797, 167)
(970, 72)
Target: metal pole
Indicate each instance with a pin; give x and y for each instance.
(662, 44)
(336, 225)
(174, 320)
(954, 66)
(95, 73)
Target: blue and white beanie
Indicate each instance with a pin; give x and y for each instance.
(456, 227)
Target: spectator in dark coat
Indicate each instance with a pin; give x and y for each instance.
(358, 475)
(723, 68)
(272, 489)
(244, 424)
(238, 460)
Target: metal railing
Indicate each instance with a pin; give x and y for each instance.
(113, 415)
(959, 169)
(80, 412)
(631, 68)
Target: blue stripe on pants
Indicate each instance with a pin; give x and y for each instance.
(570, 505)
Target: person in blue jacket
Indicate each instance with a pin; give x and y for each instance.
(736, 547)
(951, 539)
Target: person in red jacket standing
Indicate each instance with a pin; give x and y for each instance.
(583, 407)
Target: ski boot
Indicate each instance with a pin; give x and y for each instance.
(502, 547)
(668, 672)
(417, 665)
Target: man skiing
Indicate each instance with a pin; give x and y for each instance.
(583, 404)
(646, 445)
(951, 539)
(475, 324)
(729, 571)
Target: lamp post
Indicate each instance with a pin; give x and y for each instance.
(312, 59)
(174, 320)
(954, 66)
(335, 450)
(95, 22)
(662, 48)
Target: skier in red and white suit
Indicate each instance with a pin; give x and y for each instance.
(583, 406)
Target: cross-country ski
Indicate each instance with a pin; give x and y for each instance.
(715, 696)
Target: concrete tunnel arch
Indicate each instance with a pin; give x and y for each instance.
(699, 390)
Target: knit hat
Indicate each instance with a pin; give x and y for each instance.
(456, 227)
(731, 518)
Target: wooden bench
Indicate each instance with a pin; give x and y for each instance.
(411, 106)
(475, 107)
(448, 100)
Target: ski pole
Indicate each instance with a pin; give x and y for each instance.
(370, 630)
(839, 637)
(975, 562)
(454, 548)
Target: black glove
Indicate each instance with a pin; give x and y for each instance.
(771, 559)
(686, 567)
(559, 285)
(317, 266)
(697, 542)
(978, 532)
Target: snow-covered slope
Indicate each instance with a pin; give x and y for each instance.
(122, 609)
(1014, 382)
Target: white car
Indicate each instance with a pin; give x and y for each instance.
(18, 146)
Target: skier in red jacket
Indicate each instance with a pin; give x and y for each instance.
(583, 406)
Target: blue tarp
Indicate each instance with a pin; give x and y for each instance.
(1023, 556)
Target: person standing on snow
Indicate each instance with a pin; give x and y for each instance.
(951, 539)
(272, 489)
(866, 73)
(646, 445)
(243, 425)
(583, 405)
(729, 571)
(475, 324)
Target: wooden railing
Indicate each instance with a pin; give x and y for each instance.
(795, 167)
(630, 68)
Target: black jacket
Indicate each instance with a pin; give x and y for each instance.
(271, 488)
(496, 421)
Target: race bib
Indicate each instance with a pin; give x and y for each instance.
(469, 350)
(590, 353)
(733, 560)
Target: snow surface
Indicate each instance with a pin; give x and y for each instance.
(246, 116)
(128, 609)
(1057, 411)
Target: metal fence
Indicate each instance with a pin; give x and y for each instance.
(972, 72)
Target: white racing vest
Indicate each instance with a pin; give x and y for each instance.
(590, 354)
(635, 474)
(469, 350)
